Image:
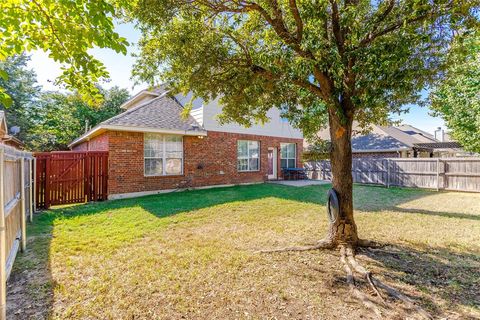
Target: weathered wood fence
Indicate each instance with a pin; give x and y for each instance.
(459, 174)
(16, 205)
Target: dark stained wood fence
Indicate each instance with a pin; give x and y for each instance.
(70, 177)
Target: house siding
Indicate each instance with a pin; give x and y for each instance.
(211, 160)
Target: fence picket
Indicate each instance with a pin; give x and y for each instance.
(459, 174)
(71, 177)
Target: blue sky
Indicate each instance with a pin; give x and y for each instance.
(119, 67)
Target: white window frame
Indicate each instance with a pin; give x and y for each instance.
(248, 156)
(294, 154)
(164, 156)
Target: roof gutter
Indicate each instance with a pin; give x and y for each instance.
(95, 131)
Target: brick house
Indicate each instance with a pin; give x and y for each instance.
(153, 149)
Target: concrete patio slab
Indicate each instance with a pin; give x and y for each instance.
(300, 183)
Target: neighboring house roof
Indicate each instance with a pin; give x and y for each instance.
(385, 138)
(409, 135)
(6, 138)
(162, 114)
(3, 121)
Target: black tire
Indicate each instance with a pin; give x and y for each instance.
(333, 207)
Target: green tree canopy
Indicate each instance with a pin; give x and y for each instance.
(66, 29)
(58, 118)
(457, 97)
(306, 56)
(22, 88)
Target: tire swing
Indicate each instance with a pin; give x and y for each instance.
(333, 207)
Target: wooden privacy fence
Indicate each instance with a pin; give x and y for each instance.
(70, 177)
(16, 204)
(459, 174)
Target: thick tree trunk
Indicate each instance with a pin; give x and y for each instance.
(344, 229)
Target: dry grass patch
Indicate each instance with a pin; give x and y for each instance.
(192, 255)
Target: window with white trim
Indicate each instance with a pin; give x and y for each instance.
(248, 155)
(163, 154)
(288, 155)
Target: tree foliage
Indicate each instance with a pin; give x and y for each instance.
(305, 55)
(21, 86)
(457, 97)
(58, 118)
(66, 29)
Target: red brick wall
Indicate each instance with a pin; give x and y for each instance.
(204, 161)
(98, 143)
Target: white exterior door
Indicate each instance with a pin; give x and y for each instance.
(272, 163)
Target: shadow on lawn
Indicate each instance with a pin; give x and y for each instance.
(446, 214)
(30, 289)
(452, 278)
(366, 198)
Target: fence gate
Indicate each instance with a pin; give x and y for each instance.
(70, 177)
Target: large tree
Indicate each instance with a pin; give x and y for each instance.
(324, 63)
(456, 98)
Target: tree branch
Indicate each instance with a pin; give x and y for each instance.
(337, 30)
(298, 19)
(269, 75)
(400, 22)
(278, 25)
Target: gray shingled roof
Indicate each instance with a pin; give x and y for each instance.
(409, 135)
(373, 141)
(160, 113)
(385, 138)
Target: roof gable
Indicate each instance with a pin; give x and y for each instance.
(162, 112)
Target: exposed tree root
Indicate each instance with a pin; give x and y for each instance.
(369, 244)
(322, 244)
(375, 284)
(400, 296)
(347, 257)
(353, 288)
(360, 269)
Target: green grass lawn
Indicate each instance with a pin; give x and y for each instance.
(193, 255)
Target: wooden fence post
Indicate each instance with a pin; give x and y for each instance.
(47, 182)
(87, 177)
(22, 204)
(3, 247)
(322, 162)
(34, 199)
(438, 174)
(388, 173)
(31, 183)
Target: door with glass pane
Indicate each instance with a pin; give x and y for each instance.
(272, 163)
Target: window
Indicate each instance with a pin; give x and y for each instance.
(288, 153)
(163, 154)
(248, 155)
